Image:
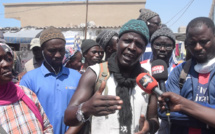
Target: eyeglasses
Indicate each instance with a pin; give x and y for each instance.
(166, 46)
(155, 23)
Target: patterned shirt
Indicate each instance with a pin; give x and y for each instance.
(17, 118)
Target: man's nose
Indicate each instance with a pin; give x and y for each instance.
(198, 46)
(5, 63)
(132, 46)
(57, 54)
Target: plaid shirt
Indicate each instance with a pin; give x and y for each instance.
(17, 118)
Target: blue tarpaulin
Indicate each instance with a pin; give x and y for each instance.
(23, 36)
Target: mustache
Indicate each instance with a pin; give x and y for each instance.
(162, 53)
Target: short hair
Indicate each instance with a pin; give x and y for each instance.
(199, 21)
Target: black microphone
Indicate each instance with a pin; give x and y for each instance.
(160, 73)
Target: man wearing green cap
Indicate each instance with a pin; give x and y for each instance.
(123, 104)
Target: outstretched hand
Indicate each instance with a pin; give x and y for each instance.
(100, 105)
(174, 103)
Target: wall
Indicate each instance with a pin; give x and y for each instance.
(111, 13)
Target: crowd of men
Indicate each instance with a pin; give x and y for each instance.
(59, 93)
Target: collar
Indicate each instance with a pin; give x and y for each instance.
(205, 67)
(46, 72)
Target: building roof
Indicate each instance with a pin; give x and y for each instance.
(26, 34)
(75, 2)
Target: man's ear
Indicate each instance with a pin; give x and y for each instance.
(117, 40)
(109, 49)
(185, 43)
(117, 43)
(84, 54)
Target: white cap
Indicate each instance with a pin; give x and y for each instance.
(35, 43)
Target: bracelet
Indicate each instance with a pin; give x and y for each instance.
(80, 115)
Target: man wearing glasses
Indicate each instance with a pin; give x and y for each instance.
(162, 45)
(199, 85)
(153, 22)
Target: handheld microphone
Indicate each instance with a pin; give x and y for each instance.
(149, 85)
(160, 73)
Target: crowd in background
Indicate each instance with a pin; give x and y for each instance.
(59, 92)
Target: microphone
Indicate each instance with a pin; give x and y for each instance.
(160, 73)
(149, 85)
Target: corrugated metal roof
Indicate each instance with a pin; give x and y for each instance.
(25, 34)
(16, 29)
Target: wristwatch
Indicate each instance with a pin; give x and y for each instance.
(79, 114)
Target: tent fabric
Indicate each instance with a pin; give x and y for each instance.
(72, 40)
(23, 36)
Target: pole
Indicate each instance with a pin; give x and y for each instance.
(86, 19)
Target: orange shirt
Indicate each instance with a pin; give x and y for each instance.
(17, 118)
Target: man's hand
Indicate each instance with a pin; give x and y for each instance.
(174, 103)
(143, 125)
(100, 105)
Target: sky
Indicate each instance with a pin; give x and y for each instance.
(173, 13)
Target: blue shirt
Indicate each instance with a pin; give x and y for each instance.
(53, 91)
(182, 123)
(147, 54)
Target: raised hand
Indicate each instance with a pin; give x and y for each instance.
(100, 105)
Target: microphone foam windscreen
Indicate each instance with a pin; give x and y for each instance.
(159, 70)
(146, 82)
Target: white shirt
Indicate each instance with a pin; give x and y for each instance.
(110, 125)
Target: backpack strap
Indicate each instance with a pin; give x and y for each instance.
(103, 76)
(184, 73)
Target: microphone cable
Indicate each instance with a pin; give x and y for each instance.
(48, 63)
(168, 114)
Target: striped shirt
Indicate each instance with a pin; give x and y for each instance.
(17, 118)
